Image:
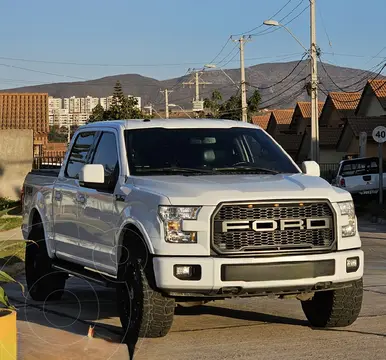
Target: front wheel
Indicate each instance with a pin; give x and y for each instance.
(144, 311)
(335, 308)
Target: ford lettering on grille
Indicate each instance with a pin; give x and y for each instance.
(254, 228)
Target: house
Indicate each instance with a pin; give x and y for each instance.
(373, 100)
(279, 121)
(26, 111)
(328, 140)
(337, 107)
(261, 120)
(290, 143)
(301, 118)
(349, 139)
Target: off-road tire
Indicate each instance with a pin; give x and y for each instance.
(43, 282)
(335, 308)
(144, 311)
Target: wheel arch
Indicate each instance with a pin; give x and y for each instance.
(124, 238)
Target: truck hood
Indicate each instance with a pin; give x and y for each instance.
(212, 189)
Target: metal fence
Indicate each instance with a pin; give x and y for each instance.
(47, 162)
(328, 171)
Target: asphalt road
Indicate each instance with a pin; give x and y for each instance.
(258, 328)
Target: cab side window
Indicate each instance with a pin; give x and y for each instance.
(106, 154)
(79, 154)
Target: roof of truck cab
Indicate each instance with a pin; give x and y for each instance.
(170, 124)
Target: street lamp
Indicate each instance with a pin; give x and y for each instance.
(276, 23)
(213, 66)
(175, 105)
(312, 51)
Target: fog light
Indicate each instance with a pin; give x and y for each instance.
(187, 272)
(352, 264)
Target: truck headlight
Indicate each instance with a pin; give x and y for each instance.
(172, 217)
(347, 208)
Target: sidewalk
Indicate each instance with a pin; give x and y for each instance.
(14, 234)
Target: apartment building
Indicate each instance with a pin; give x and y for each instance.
(88, 103)
(76, 110)
(54, 103)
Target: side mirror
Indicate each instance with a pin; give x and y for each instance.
(91, 174)
(311, 168)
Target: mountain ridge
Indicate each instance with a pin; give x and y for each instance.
(263, 76)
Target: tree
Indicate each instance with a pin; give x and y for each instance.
(254, 102)
(98, 114)
(122, 107)
(213, 104)
(118, 103)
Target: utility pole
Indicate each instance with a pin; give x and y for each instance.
(150, 107)
(166, 93)
(314, 86)
(197, 82)
(244, 108)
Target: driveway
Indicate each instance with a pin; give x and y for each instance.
(256, 328)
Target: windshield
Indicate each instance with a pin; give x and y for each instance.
(204, 151)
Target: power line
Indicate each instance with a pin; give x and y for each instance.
(266, 31)
(261, 25)
(343, 89)
(235, 47)
(285, 77)
(220, 52)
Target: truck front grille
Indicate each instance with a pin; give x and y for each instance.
(274, 227)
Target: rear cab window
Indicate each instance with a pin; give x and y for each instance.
(359, 167)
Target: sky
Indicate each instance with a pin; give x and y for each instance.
(76, 40)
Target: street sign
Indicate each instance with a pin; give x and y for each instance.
(379, 134)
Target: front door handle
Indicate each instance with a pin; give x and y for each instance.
(81, 198)
(58, 195)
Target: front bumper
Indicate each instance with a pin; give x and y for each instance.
(254, 274)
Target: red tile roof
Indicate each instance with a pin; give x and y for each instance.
(365, 124)
(379, 88)
(305, 108)
(289, 142)
(283, 116)
(345, 100)
(329, 136)
(261, 120)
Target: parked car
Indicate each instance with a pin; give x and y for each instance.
(186, 211)
(360, 176)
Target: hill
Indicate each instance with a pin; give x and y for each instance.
(268, 77)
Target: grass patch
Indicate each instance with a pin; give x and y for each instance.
(12, 252)
(8, 223)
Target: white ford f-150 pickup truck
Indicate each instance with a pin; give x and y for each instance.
(189, 211)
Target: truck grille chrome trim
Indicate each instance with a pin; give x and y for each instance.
(259, 227)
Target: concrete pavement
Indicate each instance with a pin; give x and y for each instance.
(256, 328)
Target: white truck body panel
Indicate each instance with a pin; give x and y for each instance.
(84, 226)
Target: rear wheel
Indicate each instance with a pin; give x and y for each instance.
(335, 308)
(43, 282)
(144, 311)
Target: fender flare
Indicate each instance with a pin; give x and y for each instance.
(142, 231)
(34, 210)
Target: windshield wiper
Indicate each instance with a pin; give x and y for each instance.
(255, 169)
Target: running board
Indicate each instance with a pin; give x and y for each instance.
(81, 272)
